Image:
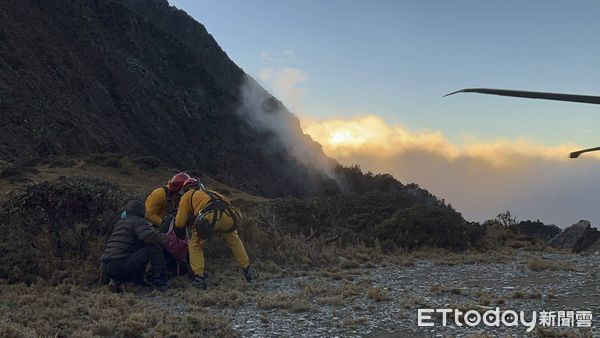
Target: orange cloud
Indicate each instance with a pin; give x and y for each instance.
(480, 177)
(371, 134)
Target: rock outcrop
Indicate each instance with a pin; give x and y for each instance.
(589, 242)
(579, 237)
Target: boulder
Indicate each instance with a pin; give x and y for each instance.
(589, 242)
(593, 249)
(569, 236)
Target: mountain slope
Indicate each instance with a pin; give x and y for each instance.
(139, 77)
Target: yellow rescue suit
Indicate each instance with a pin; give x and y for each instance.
(159, 204)
(192, 202)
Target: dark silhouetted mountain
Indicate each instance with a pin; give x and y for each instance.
(136, 77)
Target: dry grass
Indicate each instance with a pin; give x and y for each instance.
(445, 257)
(539, 264)
(66, 310)
(526, 294)
(439, 289)
(378, 294)
(293, 303)
(344, 289)
(485, 300)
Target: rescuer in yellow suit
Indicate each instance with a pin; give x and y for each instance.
(210, 212)
(163, 201)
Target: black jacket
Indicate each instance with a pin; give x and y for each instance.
(130, 234)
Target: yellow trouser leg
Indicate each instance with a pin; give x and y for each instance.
(195, 246)
(237, 248)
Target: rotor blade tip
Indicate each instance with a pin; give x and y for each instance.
(458, 91)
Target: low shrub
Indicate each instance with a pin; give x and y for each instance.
(52, 226)
(536, 230)
(391, 220)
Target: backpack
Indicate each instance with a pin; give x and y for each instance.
(177, 247)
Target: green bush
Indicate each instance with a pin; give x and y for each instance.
(536, 230)
(393, 220)
(50, 225)
(425, 226)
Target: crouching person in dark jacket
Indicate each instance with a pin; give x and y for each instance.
(132, 244)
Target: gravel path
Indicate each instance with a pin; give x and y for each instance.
(383, 301)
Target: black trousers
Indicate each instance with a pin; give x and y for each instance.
(132, 268)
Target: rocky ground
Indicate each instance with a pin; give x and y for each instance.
(349, 299)
(383, 301)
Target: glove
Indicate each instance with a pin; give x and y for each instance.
(180, 232)
(164, 227)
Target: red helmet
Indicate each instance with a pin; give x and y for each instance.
(176, 182)
(190, 183)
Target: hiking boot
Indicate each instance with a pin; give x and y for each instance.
(161, 284)
(200, 281)
(116, 286)
(250, 274)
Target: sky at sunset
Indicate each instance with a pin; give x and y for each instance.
(366, 78)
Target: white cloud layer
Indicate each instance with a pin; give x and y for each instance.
(481, 178)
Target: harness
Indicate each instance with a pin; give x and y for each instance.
(217, 206)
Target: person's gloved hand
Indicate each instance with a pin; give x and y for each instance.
(164, 227)
(181, 233)
(168, 219)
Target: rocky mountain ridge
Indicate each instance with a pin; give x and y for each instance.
(138, 77)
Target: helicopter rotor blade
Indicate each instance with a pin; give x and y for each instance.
(576, 154)
(532, 95)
